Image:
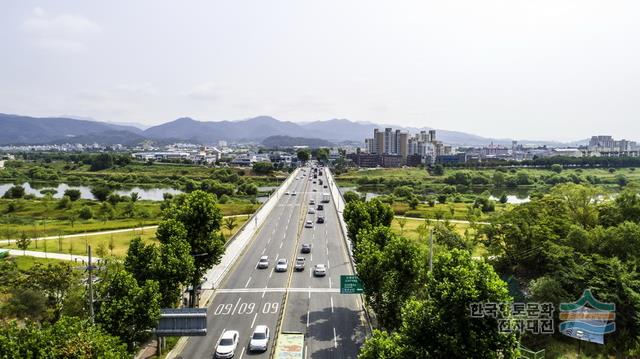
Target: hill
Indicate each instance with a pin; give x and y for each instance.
(288, 141)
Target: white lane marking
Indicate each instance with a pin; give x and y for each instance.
(312, 257)
(270, 274)
(307, 319)
(331, 304)
(327, 250)
(242, 354)
(277, 255)
(281, 243)
(279, 290)
(330, 283)
(253, 322)
(310, 272)
(264, 250)
(309, 292)
(306, 352)
(264, 292)
(328, 263)
(236, 307)
(248, 280)
(284, 236)
(335, 339)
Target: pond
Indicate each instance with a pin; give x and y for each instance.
(149, 194)
(513, 197)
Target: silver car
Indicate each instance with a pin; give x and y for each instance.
(227, 344)
(263, 262)
(320, 270)
(259, 339)
(281, 265)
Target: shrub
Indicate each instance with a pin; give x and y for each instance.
(85, 213)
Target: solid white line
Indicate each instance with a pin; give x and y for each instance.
(309, 292)
(236, 307)
(279, 290)
(327, 250)
(328, 263)
(242, 354)
(311, 257)
(329, 282)
(270, 274)
(248, 280)
(253, 322)
(307, 318)
(335, 338)
(331, 304)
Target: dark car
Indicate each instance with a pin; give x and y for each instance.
(299, 266)
(306, 248)
(320, 219)
(320, 207)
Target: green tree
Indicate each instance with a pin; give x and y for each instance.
(85, 213)
(101, 193)
(581, 202)
(23, 242)
(263, 167)
(201, 219)
(14, 192)
(230, 224)
(556, 168)
(351, 196)
(303, 155)
(402, 222)
(101, 162)
(437, 170)
(366, 215)
(64, 203)
(24, 303)
(124, 308)
(55, 281)
(413, 202)
(73, 194)
(69, 337)
(107, 212)
(503, 198)
(134, 196)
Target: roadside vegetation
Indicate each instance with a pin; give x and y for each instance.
(549, 250)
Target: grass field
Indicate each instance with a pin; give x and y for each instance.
(115, 244)
(25, 262)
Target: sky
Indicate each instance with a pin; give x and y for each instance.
(544, 69)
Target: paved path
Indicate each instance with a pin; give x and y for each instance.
(440, 220)
(111, 231)
(60, 256)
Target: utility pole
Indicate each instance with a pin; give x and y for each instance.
(430, 250)
(90, 269)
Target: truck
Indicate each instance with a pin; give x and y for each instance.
(326, 197)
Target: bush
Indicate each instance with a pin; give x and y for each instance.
(14, 192)
(73, 194)
(64, 202)
(556, 168)
(101, 193)
(442, 198)
(85, 213)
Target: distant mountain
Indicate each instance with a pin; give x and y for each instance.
(131, 126)
(16, 129)
(288, 141)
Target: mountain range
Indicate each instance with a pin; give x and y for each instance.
(15, 129)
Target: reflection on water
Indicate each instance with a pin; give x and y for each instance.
(516, 196)
(149, 194)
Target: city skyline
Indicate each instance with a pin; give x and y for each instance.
(498, 69)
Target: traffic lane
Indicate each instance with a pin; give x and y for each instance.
(245, 264)
(335, 329)
(296, 318)
(236, 311)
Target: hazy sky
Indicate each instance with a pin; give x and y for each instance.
(544, 69)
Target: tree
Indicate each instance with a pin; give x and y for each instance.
(436, 323)
(351, 196)
(107, 212)
(69, 337)
(581, 202)
(437, 170)
(366, 215)
(503, 198)
(263, 167)
(73, 194)
(25, 303)
(413, 202)
(134, 196)
(64, 203)
(14, 192)
(125, 308)
(201, 219)
(230, 224)
(55, 281)
(23, 242)
(101, 193)
(101, 162)
(303, 155)
(556, 168)
(85, 213)
(72, 217)
(401, 223)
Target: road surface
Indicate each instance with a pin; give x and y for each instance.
(333, 323)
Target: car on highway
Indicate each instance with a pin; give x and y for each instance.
(311, 211)
(293, 193)
(227, 344)
(325, 186)
(263, 262)
(312, 201)
(281, 265)
(320, 207)
(308, 224)
(320, 270)
(299, 266)
(306, 248)
(320, 219)
(315, 190)
(259, 339)
(286, 193)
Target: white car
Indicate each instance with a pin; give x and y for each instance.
(308, 224)
(281, 265)
(311, 210)
(286, 193)
(312, 201)
(293, 193)
(259, 339)
(227, 344)
(263, 262)
(320, 270)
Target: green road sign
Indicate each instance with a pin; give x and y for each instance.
(350, 284)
